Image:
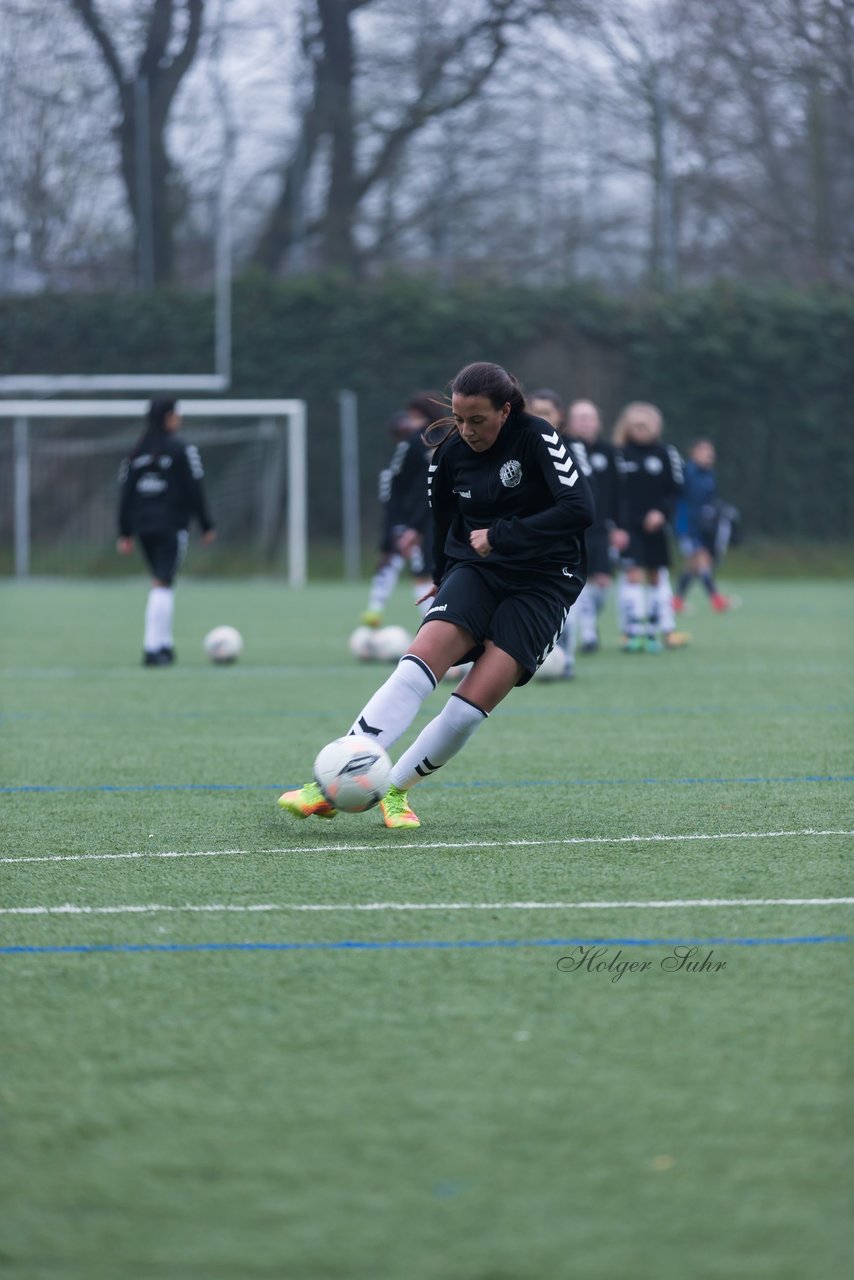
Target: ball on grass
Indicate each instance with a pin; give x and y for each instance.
(354, 773)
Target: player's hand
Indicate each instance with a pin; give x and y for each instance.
(124, 546)
(428, 595)
(653, 520)
(208, 537)
(409, 539)
(479, 541)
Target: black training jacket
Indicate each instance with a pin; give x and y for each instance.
(162, 491)
(651, 481)
(526, 490)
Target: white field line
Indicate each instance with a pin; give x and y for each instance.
(418, 844)
(69, 909)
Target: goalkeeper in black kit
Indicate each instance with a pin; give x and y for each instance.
(510, 508)
(162, 491)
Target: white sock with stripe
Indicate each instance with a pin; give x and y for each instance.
(632, 598)
(585, 609)
(567, 642)
(664, 591)
(394, 706)
(159, 612)
(438, 741)
(384, 582)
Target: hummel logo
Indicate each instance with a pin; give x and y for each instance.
(463, 493)
(437, 608)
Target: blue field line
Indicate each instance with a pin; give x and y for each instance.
(431, 944)
(520, 782)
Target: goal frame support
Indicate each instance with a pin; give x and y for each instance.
(20, 412)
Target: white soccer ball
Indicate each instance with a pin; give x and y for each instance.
(223, 644)
(363, 643)
(391, 643)
(354, 773)
(552, 666)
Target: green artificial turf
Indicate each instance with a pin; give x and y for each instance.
(203, 1078)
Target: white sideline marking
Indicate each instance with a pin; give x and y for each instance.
(465, 844)
(69, 909)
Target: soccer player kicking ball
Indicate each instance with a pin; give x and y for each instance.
(509, 511)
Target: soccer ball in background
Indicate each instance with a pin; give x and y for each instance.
(362, 644)
(223, 644)
(391, 643)
(386, 644)
(552, 666)
(354, 773)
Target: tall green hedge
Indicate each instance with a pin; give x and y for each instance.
(769, 375)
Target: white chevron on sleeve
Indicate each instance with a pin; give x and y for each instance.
(558, 449)
(555, 445)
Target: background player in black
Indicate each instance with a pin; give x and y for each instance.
(652, 482)
(547, 404)
(510, 508)
(407, 526)
(605, 539)
(400, 427)
(161, 492)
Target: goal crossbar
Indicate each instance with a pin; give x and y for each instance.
(138, 408)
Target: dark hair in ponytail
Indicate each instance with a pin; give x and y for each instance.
(484, 379)
(155, 430)
(490, 380)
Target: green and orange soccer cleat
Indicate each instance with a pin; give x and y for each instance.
(396, 811)
(308, 801)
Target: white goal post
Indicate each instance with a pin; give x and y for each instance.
(22, 413)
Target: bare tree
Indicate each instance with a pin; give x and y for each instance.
(60, 219)
(145, 96)
(768, 109)
(624, 141)
(443, 64)
(638, 95)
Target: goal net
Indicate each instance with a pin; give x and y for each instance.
(59, 469)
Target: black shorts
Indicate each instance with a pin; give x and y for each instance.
(598, 553)
(386, 543)
(647, 550)
(523, 615)
(164, 552)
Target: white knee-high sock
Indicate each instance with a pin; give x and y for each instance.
(664, 592)
(585, 607)
(632, 601)
(600, 596)
(159, 612)
(567, 642)
(394, 706)
(438, 741)
(384, 582)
